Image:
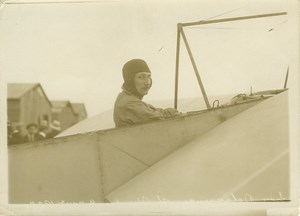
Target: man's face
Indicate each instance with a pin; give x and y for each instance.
(32, 130)
(142, 82)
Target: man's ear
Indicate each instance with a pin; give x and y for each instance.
(150, 82)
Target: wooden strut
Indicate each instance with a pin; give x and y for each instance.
(232, 19)
(177, 69)
(194, 66)
(286, 78)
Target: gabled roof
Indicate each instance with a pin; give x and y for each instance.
(79, 108)
(58, 105)
(17, 90)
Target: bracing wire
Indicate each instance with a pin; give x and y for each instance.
(231, 28)
(224, 13)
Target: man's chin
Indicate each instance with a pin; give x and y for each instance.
(144, 92)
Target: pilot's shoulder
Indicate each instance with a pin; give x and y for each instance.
(125, 98)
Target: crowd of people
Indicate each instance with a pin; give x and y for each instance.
(34, 132)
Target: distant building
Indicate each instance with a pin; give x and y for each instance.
(63, 112)
(80, 111)
(27, 103)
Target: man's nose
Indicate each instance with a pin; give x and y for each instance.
(148, 81)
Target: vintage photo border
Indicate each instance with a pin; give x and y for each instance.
(171, 208)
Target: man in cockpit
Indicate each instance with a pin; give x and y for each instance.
(129, 109)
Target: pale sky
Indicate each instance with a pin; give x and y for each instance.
(77, 50)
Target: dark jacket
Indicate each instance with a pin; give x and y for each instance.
(37, 137)
(130, 110)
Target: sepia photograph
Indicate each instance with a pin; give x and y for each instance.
(113, 107)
